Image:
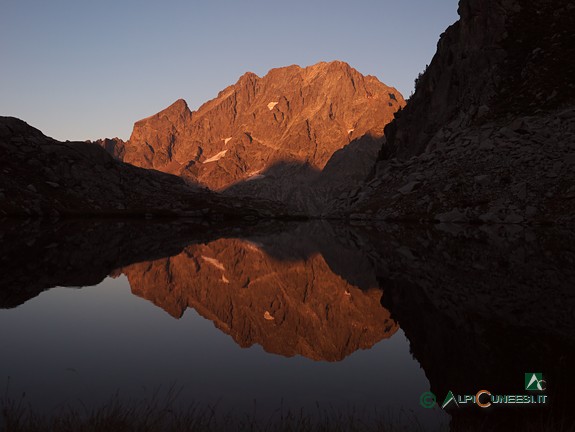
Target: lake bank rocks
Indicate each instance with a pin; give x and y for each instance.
(488, 136)
(517, 172)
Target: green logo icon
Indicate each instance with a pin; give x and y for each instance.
(534, 381)
(427, 400)
(448, 399)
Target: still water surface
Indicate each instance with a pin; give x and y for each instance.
(86, 344)
(78, 347)
(287, 316)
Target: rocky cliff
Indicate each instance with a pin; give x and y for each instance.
(44, 177)
(489, 134)
(114, 146)
(273, 137)
(502, 58)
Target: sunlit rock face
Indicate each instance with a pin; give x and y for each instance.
(273, 134)
(289, 307)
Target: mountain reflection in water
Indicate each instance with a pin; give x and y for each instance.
(480, 306)
(287, 307)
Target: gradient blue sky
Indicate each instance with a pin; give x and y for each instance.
(82, 70)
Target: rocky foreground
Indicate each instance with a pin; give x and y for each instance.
(517, 172)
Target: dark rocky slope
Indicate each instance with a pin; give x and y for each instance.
(40, 176)
(489, 135)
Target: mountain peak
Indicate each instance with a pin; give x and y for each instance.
(179, 105)
(176, 110)
(248, 76)
(322, 66)
(292, 118)
(333, 64)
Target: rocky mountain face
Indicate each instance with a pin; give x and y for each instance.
(44, 177)
(489, 135)
(501, 58)
(114, 146)
(294, 135)
(295, 307)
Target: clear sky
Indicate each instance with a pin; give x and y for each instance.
(79, 69)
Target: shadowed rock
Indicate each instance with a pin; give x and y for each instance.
(488, 135)
(114, 146)
(42, 176)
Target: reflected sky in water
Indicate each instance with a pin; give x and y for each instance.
(82, 345)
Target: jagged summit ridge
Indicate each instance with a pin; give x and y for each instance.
(294, 115)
